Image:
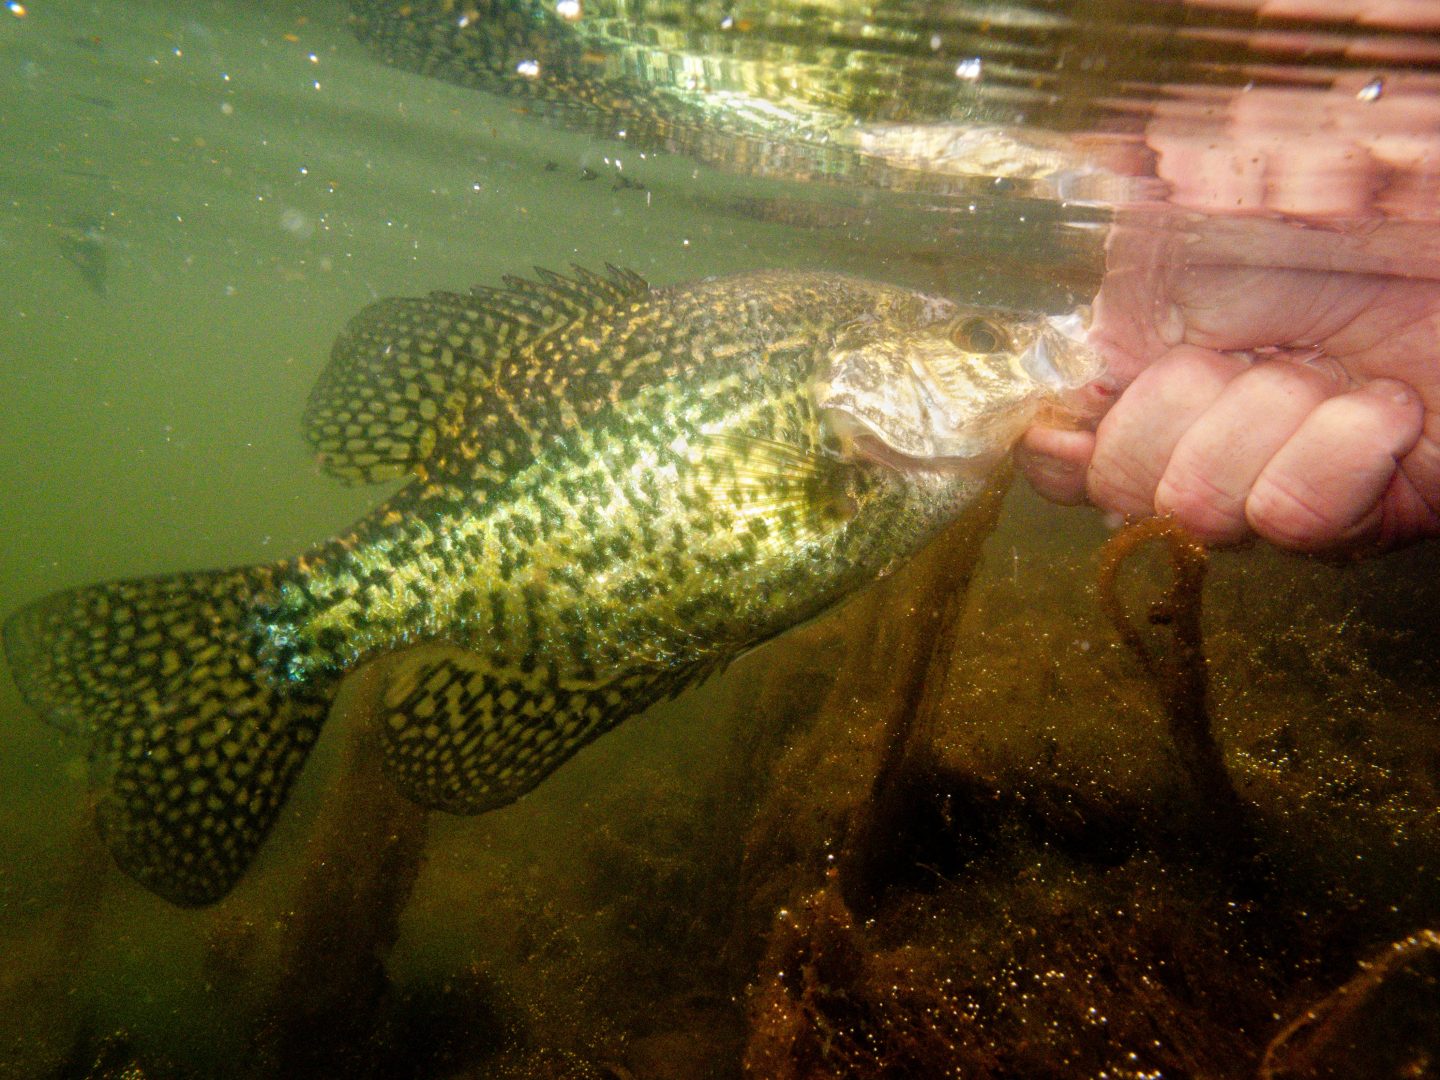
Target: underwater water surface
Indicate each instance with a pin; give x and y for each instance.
(953, 828)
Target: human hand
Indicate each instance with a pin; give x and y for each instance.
(1332, 441)
(1273, 379)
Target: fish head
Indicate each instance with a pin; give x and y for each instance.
(954, 393)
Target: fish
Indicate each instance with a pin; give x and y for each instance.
(82, 243)
(611, 490)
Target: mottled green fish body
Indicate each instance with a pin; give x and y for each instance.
(613, 491)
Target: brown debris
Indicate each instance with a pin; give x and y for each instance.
(1384, 1024)
(828, 1004)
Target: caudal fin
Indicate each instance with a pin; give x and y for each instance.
(194, 746)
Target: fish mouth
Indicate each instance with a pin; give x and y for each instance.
(854, 440)
(1061, 359)
(1066, 367)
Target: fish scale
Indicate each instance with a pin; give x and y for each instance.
(614, 490)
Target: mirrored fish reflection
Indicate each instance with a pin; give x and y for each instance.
(614, 490)
(82, 243)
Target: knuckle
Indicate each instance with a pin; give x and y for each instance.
(1202, 507)
(1306, 383)
(1287, 512)
(1119, 484)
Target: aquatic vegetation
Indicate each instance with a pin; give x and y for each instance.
(1047, 898)
(1064, 908)
(1031, 979)
(828, 1003)
(36, 1009)
(839, 788)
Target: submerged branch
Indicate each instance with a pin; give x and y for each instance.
(1181, 672)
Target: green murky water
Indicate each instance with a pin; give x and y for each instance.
(196, 197)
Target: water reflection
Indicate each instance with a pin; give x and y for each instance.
(1252, 153)
(885, 96)
(902, 95)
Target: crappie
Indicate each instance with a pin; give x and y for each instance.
(614, 490)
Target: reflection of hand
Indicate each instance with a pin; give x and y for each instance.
(1412, 15)
(1275, 380)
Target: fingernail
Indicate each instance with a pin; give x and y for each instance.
(1053, 473)
(1395, 390)
(1171, 325)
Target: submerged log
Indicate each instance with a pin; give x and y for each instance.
(859, 724)
(325, 1009)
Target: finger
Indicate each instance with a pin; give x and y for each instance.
(1134, 442)
(1408, 511)
(1217, 460)
(1324, 488)
(1054, 461)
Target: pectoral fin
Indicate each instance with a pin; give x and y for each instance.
(794, 491)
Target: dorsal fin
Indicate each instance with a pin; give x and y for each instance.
(554, 300)
(401, 371)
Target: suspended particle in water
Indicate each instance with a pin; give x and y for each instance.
(297, 223)
(968, 69)
(1371, 91)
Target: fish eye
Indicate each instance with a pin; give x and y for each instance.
(979, 335)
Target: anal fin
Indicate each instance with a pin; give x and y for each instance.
(465, 736)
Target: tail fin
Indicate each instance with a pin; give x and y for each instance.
(194, 746)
